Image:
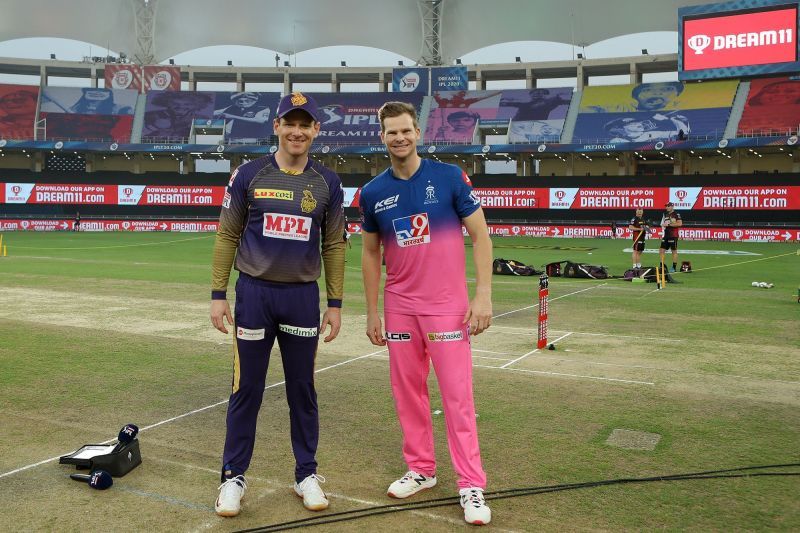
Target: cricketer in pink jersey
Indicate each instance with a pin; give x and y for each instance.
(415, 209)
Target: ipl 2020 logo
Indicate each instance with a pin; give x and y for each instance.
(412, 230)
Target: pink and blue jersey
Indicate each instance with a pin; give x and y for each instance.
(419, 222)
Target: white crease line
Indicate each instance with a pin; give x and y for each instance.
(490, 358)
(288, 486)
(533, 351)
(566, 375)
(489, 351)
(34, 465)
(532, 331)
(551, 299)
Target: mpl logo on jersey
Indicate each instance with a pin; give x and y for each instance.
(562, 198)
(413, 230)
(129, 194)
(18, 193)
(290, 227)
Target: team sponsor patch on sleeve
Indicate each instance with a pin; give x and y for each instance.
(233, 177)
(412, 230)
(466, 178)
(297, 330)
(250, 334)
(445, 336)
(226, 200)
(398, 336)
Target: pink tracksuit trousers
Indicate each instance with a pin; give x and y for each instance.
(414, 341)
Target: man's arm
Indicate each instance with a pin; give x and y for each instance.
(479, 314)
(333, 252)
(371, 273)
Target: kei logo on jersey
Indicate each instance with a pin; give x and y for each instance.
(412, 230)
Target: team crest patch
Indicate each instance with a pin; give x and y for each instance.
(308, 203)
(298, 99)
(446, 336)
(413, 230)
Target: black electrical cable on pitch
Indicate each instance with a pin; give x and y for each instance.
(513, 493)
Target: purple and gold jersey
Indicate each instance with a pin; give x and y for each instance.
(278, 221)
(419, 222)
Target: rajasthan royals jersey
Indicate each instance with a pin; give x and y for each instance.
(419, 221)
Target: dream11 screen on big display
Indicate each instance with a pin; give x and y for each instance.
(756, 41)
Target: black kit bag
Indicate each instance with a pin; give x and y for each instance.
(510, 267)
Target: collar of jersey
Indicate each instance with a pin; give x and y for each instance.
(414, 175)
(275, 164)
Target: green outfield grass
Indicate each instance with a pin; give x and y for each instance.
(98, 330)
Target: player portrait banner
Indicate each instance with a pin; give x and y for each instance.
(410, 80)
(247, 116)
(449, 79)
(353, 117)
(161, 78)
(88, 101)
(646, 126)
(75, 194)
(126, 76)
(773, 106)
(170, 114)
(17, 111)
(108, 128)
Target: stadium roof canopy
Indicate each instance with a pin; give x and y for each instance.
(165, 28)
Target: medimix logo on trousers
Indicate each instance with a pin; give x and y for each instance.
(445, 336)
(291, 227)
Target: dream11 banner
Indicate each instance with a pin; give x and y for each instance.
(353, 117)
(126, 76)
(410, 80)
(162, 78)
(717, 42)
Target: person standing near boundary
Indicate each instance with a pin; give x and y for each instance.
(638, 229)
(277, 213)
(415, 209)
(670, 221)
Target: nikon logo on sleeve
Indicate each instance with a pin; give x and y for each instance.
(298, 331)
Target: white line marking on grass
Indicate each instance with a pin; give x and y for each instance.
(532, 351)
(739, 263)
(115, 245)
(551, 299)
(201, 409)
(490, 358)
(489, 351)
(566, 375)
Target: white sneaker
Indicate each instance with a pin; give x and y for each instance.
(475, 509)
(230, 496)
(313, 497)
(410, 484)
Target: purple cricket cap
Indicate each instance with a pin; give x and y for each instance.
(293, 101)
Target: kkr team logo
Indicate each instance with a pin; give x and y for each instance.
(308, 203)
(290, 227)
(698, 43)
(413, 230)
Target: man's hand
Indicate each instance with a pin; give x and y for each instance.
(375, 329)
(221, 309)
(332, 317)
(479, 314)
